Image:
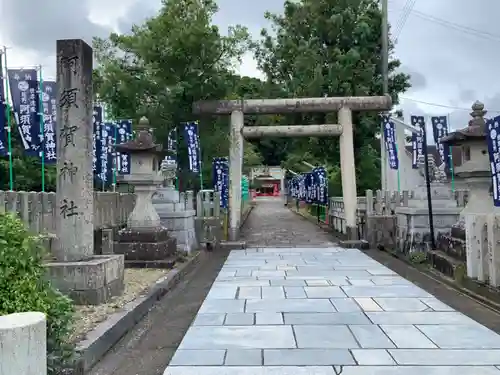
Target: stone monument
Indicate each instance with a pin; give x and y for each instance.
(475, 175)
(144, 242)
(412, 221)
(175, 210)
(77, 272)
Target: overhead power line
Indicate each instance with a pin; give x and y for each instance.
(443, 105)
(449, 24)
(404, 17)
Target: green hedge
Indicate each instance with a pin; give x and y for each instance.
(23, 287)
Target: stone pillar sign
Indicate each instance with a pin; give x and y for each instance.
(87, 278)
(75, 193)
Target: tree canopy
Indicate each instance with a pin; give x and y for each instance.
(320, 48)
(315, 48)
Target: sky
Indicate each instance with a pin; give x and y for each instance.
(449, 47)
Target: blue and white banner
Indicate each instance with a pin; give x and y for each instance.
(169, 160)
(493, 139)
(308, 186)
(4, 151)
(220, 179)
(96, 136)
(417, 140)
(193, 146)
(123, 134)
(49, 110)
(321, 183)
(105, 152)
(24, 93)
(390, 141)
(294, 187)
(172, 140)
(439, 130)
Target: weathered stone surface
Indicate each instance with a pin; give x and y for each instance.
(381, 230)
(147, 235)
(243, 357)
(307, 357)
(75, 189)
(145, 245)
(91, 282)
(23, 348)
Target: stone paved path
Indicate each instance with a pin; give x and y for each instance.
(311, 308)
(272, 224)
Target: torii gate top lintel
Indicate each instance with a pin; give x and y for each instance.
(276, 106)
(238, 131)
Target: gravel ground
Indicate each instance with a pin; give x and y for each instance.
(137, 282)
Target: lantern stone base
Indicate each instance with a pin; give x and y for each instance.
(146, 245)
(90, 282)
(181, 224)
(412, 226)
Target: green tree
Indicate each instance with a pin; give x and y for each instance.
(330, 48)
(164, 65)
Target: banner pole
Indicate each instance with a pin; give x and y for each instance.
(103, 183)
(199, 155)
(177, 168)
(450, 157)
(41, 127)
(115, 166)
(9, 122)
(399, 176)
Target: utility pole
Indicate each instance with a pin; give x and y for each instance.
(385, 47)
(385, 86)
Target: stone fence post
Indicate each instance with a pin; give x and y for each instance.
(23, 344)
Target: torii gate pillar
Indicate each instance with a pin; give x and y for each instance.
(235, 173)
(344, 106)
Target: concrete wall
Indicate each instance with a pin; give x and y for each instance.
(38, 210)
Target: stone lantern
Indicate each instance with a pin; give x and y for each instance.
(144, 239)
(474, 173)
(175, 210)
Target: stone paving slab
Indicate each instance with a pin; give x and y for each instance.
(326, 311)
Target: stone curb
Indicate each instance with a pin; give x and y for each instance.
(103, 337)
(247, 214)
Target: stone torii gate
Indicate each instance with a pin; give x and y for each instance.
(344, 105)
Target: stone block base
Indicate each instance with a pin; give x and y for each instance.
(89, 282)
(381, 231)
(233, 245)
(234, 234)
(355, 244)
(352, 233)
(208, 230)
(182, 228)
(145, 244)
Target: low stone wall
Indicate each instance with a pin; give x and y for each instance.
(39, 210)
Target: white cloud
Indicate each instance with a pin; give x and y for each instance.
(450, 63)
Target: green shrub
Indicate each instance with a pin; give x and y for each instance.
(23, 287)
(418, 257)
